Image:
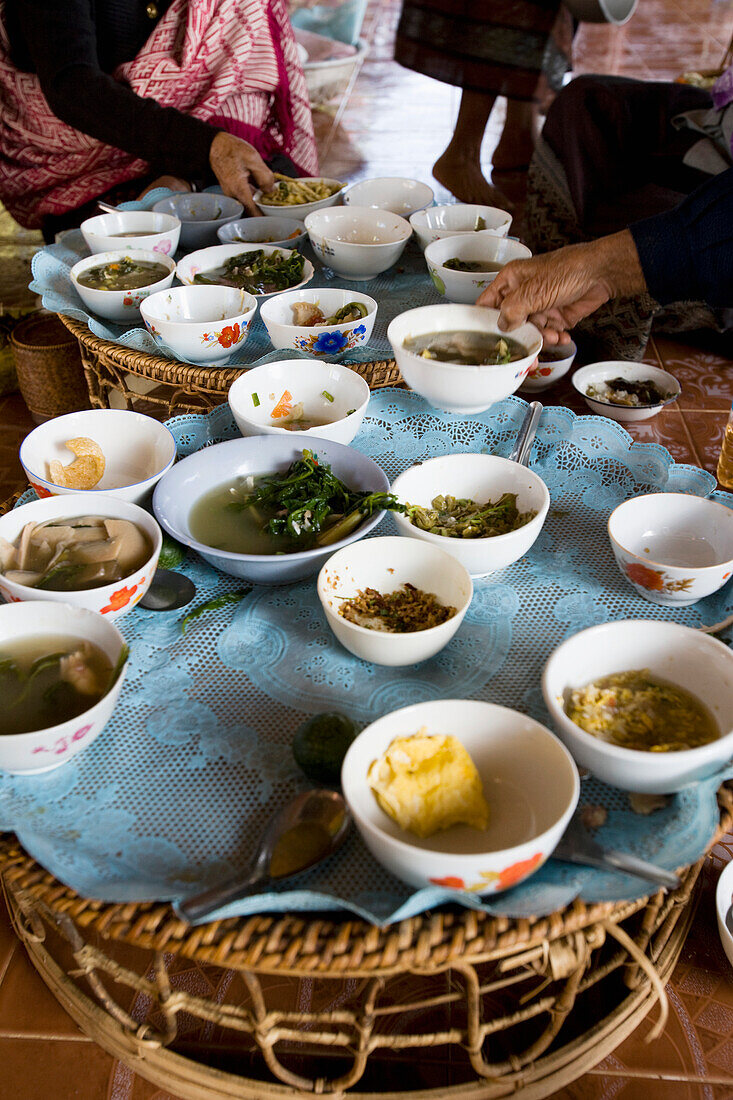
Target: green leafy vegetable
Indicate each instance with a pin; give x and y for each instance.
(327, 395)
(214, 605)
(172, 554)
(255, 400)
(257, 272)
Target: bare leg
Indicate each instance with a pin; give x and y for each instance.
(459, 167)
(516, 144)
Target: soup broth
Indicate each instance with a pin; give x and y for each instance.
(123, 274)
(454, 264)
(218, 521)
(470, 348)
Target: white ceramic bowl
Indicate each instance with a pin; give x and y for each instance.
(617, 12)
(484, 247)
(300, 209)
(120, 305)
(386, 564)
(394, 193)
(277, 317)
(285, 232)
(676, 654)
(111, 600)
(596, 373)
(452, 386)
(201, 214)
(306, 380)
(146, 229)
(358, 242)
(553, 363)
(204, 261)
(137, 449)
(203, 324)
(453, 219)
(196, 475)
(673, 548)
(43, 750)
(724, 909)
(481, 478)
(530, 783)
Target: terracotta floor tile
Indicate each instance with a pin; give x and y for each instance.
(53, 1070)
(706, 432)
(27, 1007)
(711, 388)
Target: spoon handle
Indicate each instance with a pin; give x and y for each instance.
(107, 207)
(201, 905)
(527, 432)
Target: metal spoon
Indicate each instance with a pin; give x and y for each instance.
(168, 591)
(527, 432)
(107, 207)
(576, 846)
(302, 834)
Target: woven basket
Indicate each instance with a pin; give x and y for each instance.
(49, 369)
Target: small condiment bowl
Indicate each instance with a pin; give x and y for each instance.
(283, 232)
(111, 600)
(596, 373)
(454, 219)
(201, 215)
(145, 229)
(137, 450)
(678, 655)
(724, 909)
(203, 324)
(456, 387)
(193, 477)
(120, 305)
(673, 548)
(394, 193)
(334, 339)
(207, 259)
(326, 391)
(477, 477)
(483, 247)
(46, 749)
(358, 242)
(553, 363)
(300, 209)
(386, 564)
(530, 783)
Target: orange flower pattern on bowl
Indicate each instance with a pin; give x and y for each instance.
(122, 597)
(654, 580)
(500, 880)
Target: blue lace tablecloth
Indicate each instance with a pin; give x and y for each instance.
(176, 791)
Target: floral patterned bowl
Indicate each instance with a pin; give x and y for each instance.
(530, 782)
(357, 242)
(111, 600)
(120, 305)
(483, 247)
(202, 324)
(43, 750)
(143, 229)
(673, 548)
(335, 339)
(456, 218)
(553, 363)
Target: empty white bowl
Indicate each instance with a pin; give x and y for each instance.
(394, 193)
(208, 259)
(334, 339)
(456, 387)
(673, 548)
(553, 363)
(201, 214)
(300, 209)
(111, 600)
(386, 564)
(484, 247)
(453, 219)
(358, 242)
(254, 395)
(676, 654)
(530, 783)
(480, 478)
(46, 749)
(120, 305)
(724, 909)
(204, 324)
(137, 450)
(146, 229)
(598, 373)
(285, 232)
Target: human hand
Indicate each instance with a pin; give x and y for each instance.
(235, 164)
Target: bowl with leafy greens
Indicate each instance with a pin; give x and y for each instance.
(258, 269)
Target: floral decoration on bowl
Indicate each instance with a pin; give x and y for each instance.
(331, 343)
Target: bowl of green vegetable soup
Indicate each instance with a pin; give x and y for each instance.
(259, 269)
(113, 284)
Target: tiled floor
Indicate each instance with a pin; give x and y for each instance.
(396, 123)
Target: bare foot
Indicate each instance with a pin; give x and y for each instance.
(516, 144)
(465, 180)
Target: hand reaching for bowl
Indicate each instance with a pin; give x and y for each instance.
(236, 164)
(557, 290)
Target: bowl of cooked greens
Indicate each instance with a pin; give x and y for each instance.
(461, 267)
(298, 196)
(146, 229)
(358, 242)
(394, 193)
(269, 510)
(87, 549)
(325, 321)
(393, 603)
(284, 232)
(457, 357)
(484, 510)
(303, 396)
(261, 270)
(201, 213)
(61, 670)
(454, 219)
(201, 324)
(626, 391)
(645, 705)
(113, 284)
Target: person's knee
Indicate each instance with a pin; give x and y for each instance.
(577, 98)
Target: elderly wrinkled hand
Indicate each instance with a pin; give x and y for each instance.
(235, 164)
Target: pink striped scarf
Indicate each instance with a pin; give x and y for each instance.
(232, 63)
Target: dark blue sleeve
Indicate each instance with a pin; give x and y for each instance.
(687, 252)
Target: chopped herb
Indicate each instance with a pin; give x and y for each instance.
(350, 412)
(255, 400)
(214, 605)
(327, 395)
